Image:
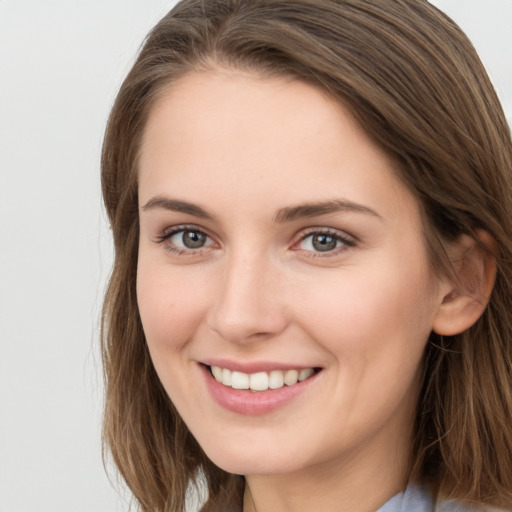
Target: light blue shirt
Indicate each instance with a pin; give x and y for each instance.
(416, 499)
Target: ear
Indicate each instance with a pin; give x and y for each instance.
(464, 301)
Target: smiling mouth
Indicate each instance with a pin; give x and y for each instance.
(261, 381)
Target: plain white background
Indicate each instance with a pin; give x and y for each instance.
(61, 63)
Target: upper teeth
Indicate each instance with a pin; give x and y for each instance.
(262, 380)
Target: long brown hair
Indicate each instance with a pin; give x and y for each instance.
(415, 83)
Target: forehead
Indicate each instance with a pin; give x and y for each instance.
(228, 101)
(246, 135)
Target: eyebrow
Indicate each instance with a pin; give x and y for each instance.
(304, 211)
(175, 205)
(283, 215)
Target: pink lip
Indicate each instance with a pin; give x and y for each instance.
(253, 403)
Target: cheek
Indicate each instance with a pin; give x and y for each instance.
(171, 306)
(385, 311)
(375, 327)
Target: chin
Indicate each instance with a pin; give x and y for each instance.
(253, 462)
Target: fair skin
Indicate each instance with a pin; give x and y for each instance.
(238, 269)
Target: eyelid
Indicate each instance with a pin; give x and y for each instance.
(172, 230)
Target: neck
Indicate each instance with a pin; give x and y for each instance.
(358, 483)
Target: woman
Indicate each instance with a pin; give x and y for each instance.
(310, 307)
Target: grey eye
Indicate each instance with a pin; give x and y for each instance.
(324, 243)
(189, 239)
(320, 242)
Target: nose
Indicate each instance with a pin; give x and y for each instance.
(248, 303)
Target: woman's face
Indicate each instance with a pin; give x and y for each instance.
(276, 243)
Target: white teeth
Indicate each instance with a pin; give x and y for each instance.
(226, 377)
(217, 373)
(260, 381)
(276, 379)
(291, 377)
(239, 380)
(305, 374)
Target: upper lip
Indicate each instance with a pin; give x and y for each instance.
(254, 366)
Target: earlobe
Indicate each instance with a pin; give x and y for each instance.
(463, 301)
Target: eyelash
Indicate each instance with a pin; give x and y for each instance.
(167, 235)
(346, 241)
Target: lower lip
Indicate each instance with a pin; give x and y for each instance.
(253, 403)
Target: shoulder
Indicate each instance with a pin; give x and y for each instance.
(457, 506)
(418, 498)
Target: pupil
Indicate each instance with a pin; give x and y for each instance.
(193, 240)
(324, 243)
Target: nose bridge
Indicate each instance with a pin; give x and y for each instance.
(247, 303)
